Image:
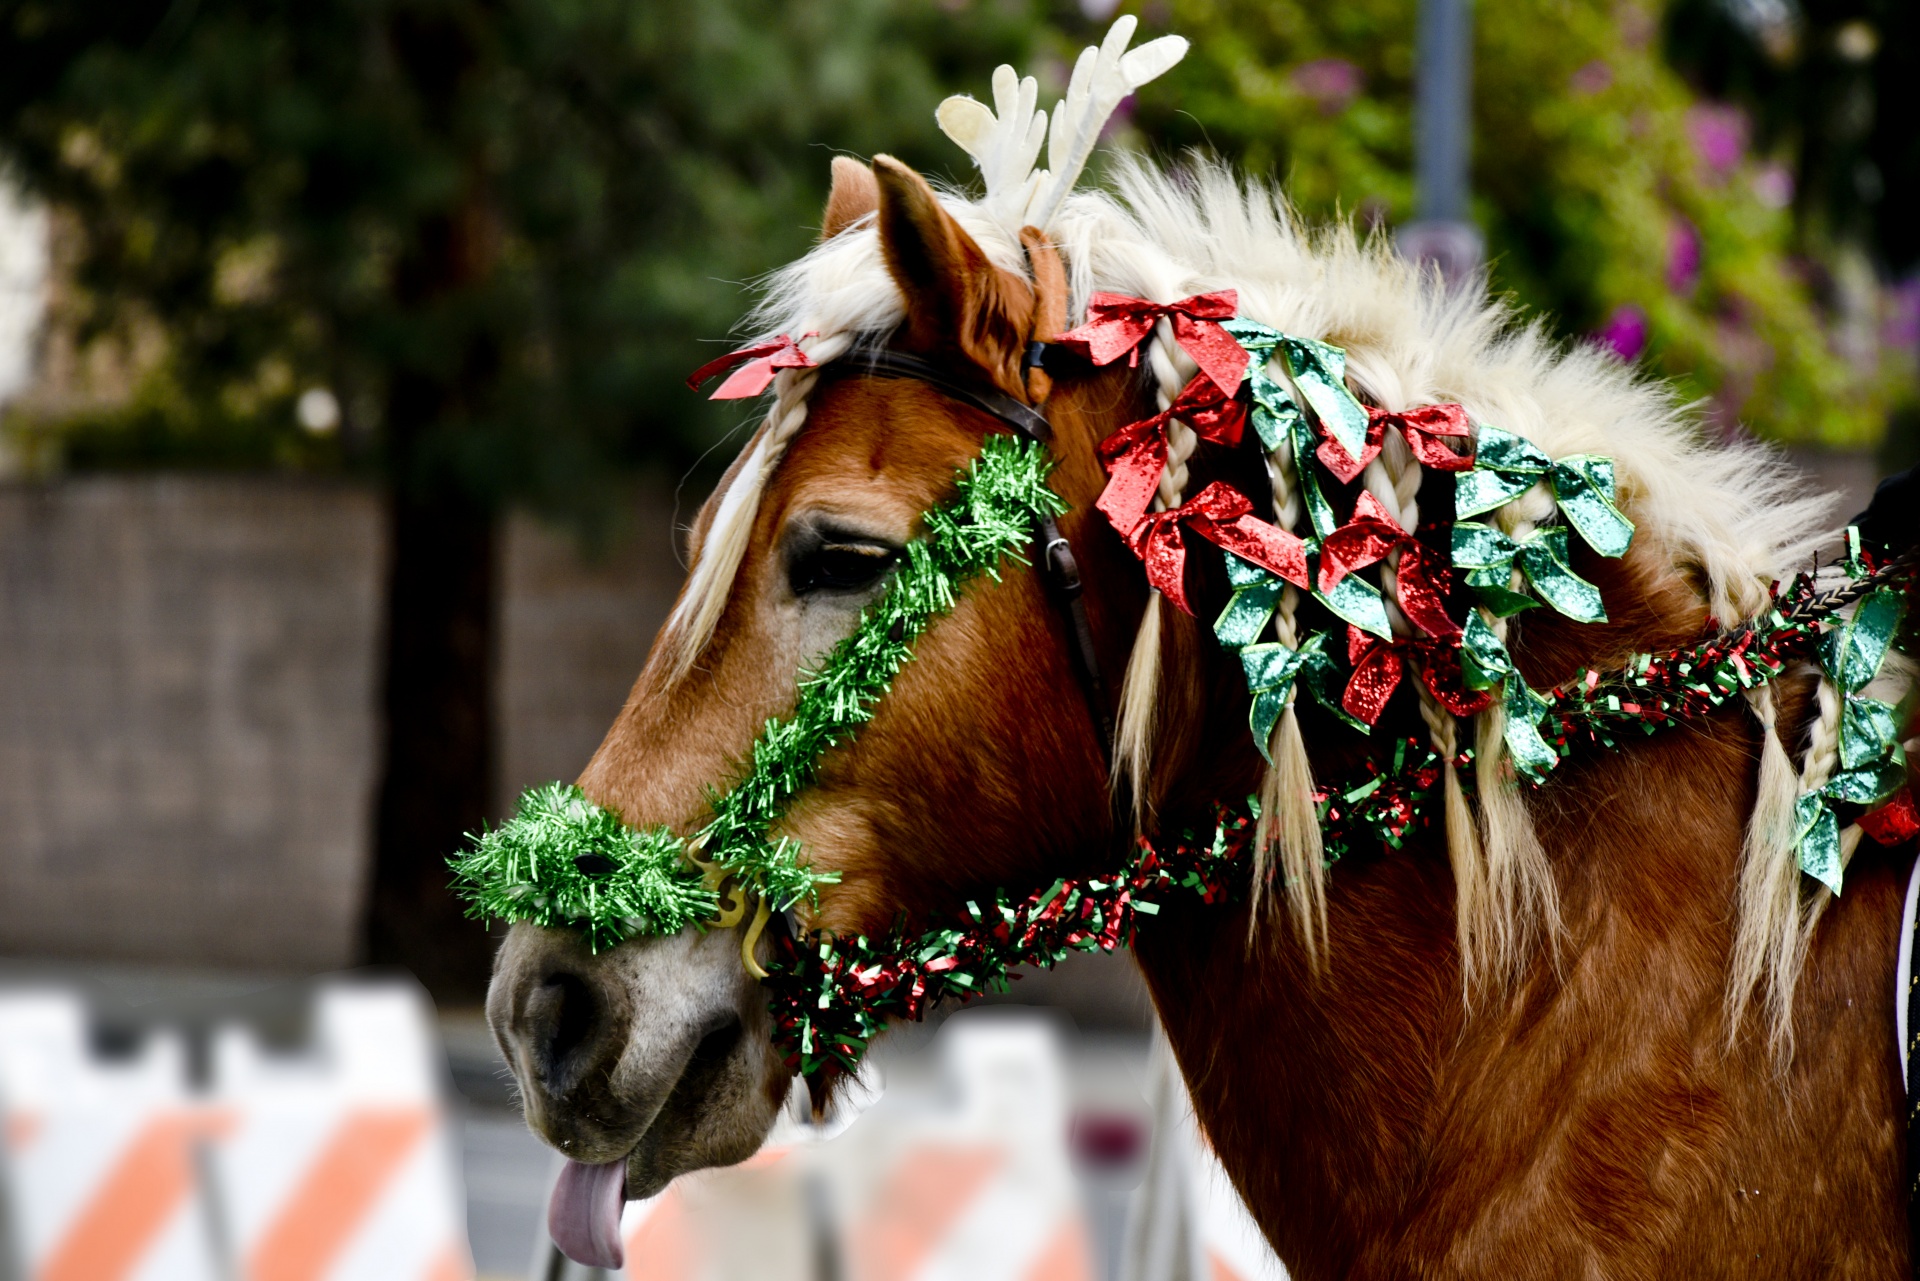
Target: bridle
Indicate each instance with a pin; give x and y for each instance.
(1053, 557)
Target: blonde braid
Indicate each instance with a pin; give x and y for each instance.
(1770, 936)
(691, 624)
(1172, 369)
(1519, 879)
(1289, 821)
(1393, 477)
(1776, 921)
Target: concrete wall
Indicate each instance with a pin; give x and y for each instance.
(188, 682)
(186, 741)
(574, 631)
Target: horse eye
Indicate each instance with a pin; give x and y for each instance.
(840, 567)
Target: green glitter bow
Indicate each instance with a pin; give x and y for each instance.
(1490, 556)
(1507, 466)
(1872, 764)
(1319, 370)
(564, 861)
(1270, 667)
(1486, 664)
(1278, 417)
(1271, 671)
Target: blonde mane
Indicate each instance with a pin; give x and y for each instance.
(1735, 516)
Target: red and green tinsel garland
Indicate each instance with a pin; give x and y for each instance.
(830, 997)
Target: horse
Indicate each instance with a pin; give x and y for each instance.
(1598, 1027)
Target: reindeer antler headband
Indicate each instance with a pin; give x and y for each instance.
(1005, 142)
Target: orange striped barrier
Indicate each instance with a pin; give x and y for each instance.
(979, 1192)
(332, 1165)
(338, 1165)
(100, 1159)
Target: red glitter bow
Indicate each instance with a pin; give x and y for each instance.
(1117, 324)
(1896, 821)
(1427, 429)
(1377, 666)
(1224, 516)
(758, 364)
(1368, 537)
(1137, 453)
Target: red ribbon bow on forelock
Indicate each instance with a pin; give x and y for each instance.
(1224, 516)
(1377, 666)
(1427, 429)
(1137, 453)
(758, 364)
(1419, 579)
(1116, 325)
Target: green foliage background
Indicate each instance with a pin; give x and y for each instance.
(1584, 169)
(259, 183)
(266, 184)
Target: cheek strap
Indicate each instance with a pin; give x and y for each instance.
(1053, 557)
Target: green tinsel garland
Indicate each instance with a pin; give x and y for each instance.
(562, 860)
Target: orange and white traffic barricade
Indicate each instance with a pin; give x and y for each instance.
(916, 1189)
(100, 1158)
(336, 1164)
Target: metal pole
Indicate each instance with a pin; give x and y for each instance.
(1444, 233)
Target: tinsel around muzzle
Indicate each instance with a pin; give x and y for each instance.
(563, 861)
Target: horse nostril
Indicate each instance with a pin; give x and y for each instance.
(716, 1045)
(562, 1013)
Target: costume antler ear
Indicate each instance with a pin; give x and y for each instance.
(956, 297)
(854, 195)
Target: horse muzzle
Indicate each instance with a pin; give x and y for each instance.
(657, 1052)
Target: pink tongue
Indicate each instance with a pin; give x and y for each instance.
(584, 1217)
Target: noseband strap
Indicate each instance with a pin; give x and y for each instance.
(1053, 555)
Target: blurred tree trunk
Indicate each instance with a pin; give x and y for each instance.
(437, 696)
(438, 725)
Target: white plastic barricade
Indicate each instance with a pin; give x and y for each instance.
(978, 1187)
(101, 1159)
(335, 1164)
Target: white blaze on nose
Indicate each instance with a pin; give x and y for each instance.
(584, 1216)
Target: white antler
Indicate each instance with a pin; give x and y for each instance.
(1005, 145)
(1102, 78)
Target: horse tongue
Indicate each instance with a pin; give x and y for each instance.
(584, 1216)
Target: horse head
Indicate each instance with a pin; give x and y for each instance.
(981, 767)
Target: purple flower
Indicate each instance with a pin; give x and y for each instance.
(1625, 333)
(1595, 77)
(1901, 328)
(1719, 134)
(1332, 83)
(1683, 256)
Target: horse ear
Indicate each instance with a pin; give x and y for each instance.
(854, 195)
(956, 297)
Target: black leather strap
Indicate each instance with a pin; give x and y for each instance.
(1052, 553)
(1056, 359)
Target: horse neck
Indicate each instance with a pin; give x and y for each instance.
(1344, 1097)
